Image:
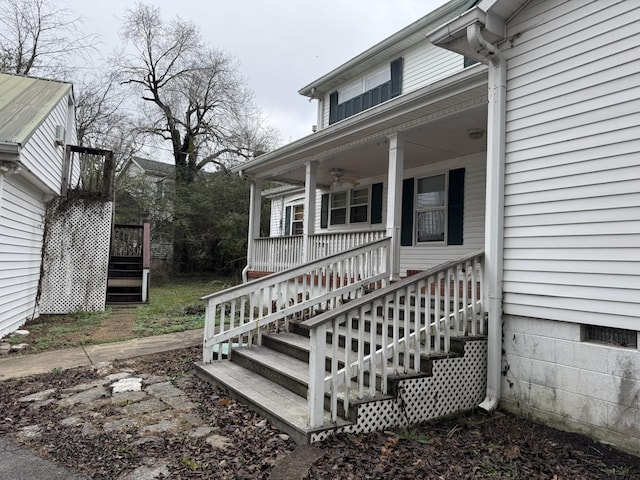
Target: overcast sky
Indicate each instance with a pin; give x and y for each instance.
(282, 45)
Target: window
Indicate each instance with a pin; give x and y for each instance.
(352, 207)
(430, 209)
(293, 220)
(372, 89)
(610, 336)
(354, 201)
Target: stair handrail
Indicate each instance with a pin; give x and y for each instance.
(403, 352)
(239, 315)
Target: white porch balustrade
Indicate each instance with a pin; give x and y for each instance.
(241, 314)
(275, 254)
(389, 329)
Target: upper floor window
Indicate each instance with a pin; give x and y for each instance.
(376, 87)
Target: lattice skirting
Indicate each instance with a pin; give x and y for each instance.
(457, 384)
(76, 256)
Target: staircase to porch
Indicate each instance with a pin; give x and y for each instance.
(346, 350)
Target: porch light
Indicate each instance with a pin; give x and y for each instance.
(475, 133)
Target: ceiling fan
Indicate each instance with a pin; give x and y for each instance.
(340, 181)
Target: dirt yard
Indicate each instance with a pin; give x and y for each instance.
(182, 428)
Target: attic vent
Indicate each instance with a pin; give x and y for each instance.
(611, 336)
(60, 133)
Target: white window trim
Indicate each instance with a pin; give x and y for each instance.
(348, 223)
(445, 208)
(358, 87)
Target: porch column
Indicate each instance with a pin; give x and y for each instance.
(394, 199)
(309, 218)
(255, 208)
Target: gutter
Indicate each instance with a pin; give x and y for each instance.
(468, 35)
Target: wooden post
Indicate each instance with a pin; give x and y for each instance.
(317, 356)
(394, 200)
(309, 219)
(255, 209)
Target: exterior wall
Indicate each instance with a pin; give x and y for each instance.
(423, 65)
(40, 155)
(586, 387)
(22, 213)
(572, 231)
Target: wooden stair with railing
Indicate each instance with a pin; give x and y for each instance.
(273, 369)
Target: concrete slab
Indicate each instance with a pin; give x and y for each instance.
(37, 363)
(20, 464)
(24, 365)
(143, 346)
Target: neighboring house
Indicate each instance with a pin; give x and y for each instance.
(160, 180)
(36, 123)
(506, 126)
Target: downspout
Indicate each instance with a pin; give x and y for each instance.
(494, 219)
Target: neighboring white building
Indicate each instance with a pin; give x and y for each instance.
(510, 126)
(36, 123)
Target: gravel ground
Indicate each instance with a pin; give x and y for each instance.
(180, 427)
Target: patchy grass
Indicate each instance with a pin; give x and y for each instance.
(176, 306)
(173, 307)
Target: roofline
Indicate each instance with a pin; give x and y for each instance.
(433, 20)
(468, 75)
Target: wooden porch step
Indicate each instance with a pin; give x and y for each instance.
(283, 408)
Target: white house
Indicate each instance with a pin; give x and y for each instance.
(508, 127)
(36, 123)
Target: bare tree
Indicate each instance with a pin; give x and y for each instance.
(194, 96)
(39, 36)
(101, 121)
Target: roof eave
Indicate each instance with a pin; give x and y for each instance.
(371, 56)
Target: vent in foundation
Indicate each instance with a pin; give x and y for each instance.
(610, 336)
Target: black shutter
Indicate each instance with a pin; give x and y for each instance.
(455, 207)
(333, 108)
(396, 77)
(324, 210)
(406, 220)
(287, 221)
(376, 203)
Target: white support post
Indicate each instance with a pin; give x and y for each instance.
(309, 218)
(317, 356)
(255, 208)
(394, 199)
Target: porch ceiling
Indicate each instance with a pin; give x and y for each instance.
(434, 122)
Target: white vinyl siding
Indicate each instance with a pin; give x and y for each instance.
(423, 65)
(424, 255)
(426, 64)
(41, 155)
(572, 228)
(21, 228)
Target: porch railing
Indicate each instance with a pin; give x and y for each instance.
(241, 314)
(275, 254)
(417, 315)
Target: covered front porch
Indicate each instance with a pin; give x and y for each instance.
(412, 170)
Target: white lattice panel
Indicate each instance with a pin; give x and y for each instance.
(76, 256)
(457, 384)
